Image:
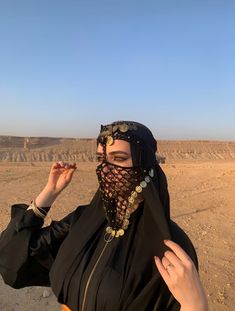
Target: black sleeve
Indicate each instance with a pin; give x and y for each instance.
(173, 305)
(27, 251)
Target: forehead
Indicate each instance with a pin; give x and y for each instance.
(118, 145)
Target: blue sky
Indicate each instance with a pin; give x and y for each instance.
(68, 66)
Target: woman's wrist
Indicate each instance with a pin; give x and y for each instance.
(39, 212)
(198, 306)
(46, 197)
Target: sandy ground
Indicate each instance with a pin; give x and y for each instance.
(202, 203)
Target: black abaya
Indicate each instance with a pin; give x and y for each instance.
(63, 255)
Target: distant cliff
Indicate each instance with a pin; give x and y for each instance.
(31, 149)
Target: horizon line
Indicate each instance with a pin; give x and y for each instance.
(93, 138)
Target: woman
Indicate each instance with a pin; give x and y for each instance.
(101, 256)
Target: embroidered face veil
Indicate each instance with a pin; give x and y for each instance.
(120, 186)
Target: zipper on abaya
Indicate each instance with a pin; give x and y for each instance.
(91, 274)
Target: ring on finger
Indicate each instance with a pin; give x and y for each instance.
(169, 266)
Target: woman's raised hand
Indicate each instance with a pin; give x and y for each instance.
(179, 273)
(60, 176)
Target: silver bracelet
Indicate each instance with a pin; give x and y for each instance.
(36, 210)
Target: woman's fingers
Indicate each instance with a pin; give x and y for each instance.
(71, 166)
(60, 175)
(64, 165)
(168, 265)
(180, 275)
(162, 270)
(62, 170)
(172, 258)
(172, 261)
(165, 262)
(55, 166)
(70, 173)
(180, 253)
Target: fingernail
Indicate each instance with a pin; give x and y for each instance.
(165, 241)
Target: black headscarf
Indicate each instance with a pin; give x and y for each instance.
(154, 227)
(143, 152)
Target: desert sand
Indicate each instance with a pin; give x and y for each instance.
(201, 180)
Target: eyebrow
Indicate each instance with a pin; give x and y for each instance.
(114, 153)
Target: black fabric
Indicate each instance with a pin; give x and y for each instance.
(64, 254)
(27, 251)
(127, 266)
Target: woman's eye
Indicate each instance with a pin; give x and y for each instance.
(118, 159)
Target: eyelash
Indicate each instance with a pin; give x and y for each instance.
(115, 159)
(118, 159)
